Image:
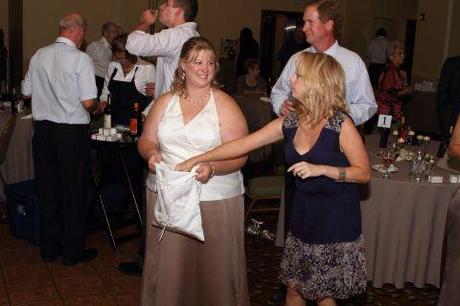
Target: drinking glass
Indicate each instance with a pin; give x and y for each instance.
(388, 157)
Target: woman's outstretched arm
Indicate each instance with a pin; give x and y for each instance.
(270, 133)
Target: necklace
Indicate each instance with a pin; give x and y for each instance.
(201, 99)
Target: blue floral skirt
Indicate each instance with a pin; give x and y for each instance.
(318, 271)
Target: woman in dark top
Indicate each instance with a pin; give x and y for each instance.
(128, 80)
(251, 83)
(324, 255)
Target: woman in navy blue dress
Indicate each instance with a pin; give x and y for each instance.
(323, 259)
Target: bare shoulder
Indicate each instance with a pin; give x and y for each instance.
(348, 126)
(160, 104)
(227, 106)
(231, 119)
(223, 100)
(164, 98)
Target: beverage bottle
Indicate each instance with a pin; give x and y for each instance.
(410, 138)
(394, 140)
(108, 113)
(442, 149)
(383, 142)
(269, 86)
(14, 101)
(2, 91)
(403, 129)
(135, 122)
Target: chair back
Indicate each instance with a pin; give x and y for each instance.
(5, 137)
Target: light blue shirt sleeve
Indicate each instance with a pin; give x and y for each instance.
(26, 84)
(360, 95)
(163, 43)
(282, 89)
(85, 74)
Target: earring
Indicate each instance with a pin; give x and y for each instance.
(183, 76)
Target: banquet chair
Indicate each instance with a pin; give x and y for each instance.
(5, 138)
(264, 188)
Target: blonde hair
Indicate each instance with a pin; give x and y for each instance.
(324, 87)
(190, 50)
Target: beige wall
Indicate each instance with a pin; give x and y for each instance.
(454, 46)
(217, 19)
(4, 19)
(41, 19)
(363, 18)
(430, 39)
(223, 19)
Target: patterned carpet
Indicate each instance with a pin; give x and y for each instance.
(26, 280)
(263, 268)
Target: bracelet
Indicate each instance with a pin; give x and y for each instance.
(342, 175)
(213, 170)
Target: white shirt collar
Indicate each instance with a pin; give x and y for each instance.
(105, 42)
(66, 41)
(190, 24)
(332, 49)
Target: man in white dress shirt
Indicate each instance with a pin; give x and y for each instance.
(322, 29)
(378, 53)
(177, 16)
(60, 81)
(101, 52)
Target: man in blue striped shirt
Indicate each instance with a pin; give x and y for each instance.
(61, 82)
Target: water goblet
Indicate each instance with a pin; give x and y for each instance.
(388, 158)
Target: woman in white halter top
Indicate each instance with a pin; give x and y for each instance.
(191, 119)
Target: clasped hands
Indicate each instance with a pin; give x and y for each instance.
(204, 172)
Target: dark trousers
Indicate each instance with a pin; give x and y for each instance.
(61, 160)
(374, 73)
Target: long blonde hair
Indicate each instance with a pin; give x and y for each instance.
(324, 87)
(194, 45)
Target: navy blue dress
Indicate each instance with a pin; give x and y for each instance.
(324, 254)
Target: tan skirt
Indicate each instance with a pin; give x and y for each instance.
(182, 271)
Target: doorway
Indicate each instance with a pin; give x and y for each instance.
(276, 28)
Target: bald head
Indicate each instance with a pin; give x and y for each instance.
(73, 26)
(73, 20)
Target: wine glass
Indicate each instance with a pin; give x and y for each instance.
(388, 157)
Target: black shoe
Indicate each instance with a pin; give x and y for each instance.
(50, 258)
(87, 255)
(130, 268)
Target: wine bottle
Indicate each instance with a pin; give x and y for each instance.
(383, 142)
(108, 113)
(135, 122)
(403, 129)
(269, 86)
(14, 101)
(2, 91)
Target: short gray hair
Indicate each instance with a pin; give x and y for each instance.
(395, 45)
(71, 21)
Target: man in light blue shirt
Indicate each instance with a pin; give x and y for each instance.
(61, 82)
(322, 28)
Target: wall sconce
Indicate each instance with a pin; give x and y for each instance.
(421, 17)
